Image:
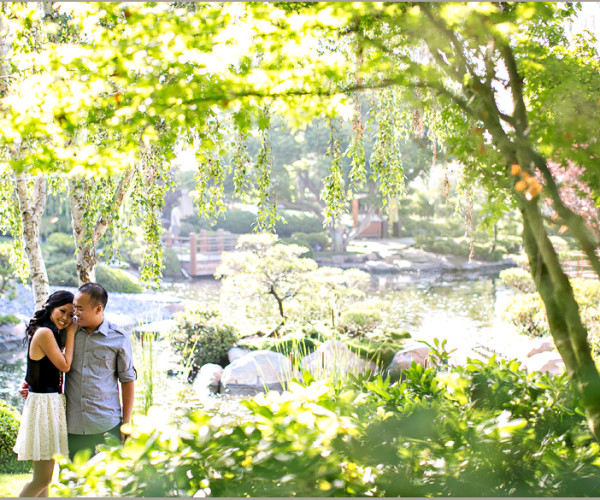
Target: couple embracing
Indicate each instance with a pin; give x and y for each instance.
(70, 335)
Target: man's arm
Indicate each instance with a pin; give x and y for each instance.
(127, 398)
(128, 395)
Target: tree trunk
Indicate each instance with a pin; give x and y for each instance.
(569, 333)
(86, 247)
(336, 232)
(279, 301)
(86, 238)
(31, 210)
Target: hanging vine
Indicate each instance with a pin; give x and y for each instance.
(210, 177)
(334, 192)
(386, 159)
(267, 208)
(11, 223)
(153, 181)
(240, 161)
(356, 148)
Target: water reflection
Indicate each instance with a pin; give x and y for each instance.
(12, 373)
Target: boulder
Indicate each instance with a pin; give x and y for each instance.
(334, 358)
(417, 352)
(236, 353)
(545, 362)
(540, 345)
(255, 372)
(208, 378)
(12, 337)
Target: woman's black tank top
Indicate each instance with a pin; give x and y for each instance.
(42, 375)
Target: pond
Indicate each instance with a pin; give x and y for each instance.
(464, 310)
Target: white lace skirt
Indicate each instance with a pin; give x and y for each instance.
(43, 430)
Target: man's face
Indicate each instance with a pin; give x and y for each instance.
(87, 313)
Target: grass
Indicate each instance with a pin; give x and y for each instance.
(12, 484)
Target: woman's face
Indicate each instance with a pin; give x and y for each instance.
(62, 316)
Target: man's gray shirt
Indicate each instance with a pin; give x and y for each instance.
(99, 360)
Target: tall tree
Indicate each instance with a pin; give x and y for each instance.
(495, 71)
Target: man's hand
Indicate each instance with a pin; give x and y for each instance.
(24, 390)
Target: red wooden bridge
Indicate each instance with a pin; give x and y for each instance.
(200, 253)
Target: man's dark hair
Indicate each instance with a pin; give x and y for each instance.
(96, 292)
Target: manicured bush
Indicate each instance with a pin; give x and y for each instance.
(518, 278)
(380, 349)
(62, 243)
(201, 336)
(361, 318)
(114, 280)
(10, 419)
(52, 224)
(63, 274)
(297, 221)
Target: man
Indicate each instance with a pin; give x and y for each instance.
(102, 357)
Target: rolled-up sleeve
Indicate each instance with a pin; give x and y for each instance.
(125, 370)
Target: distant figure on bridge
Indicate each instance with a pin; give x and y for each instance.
(175, 226)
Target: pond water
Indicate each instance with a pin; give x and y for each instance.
(464, 310)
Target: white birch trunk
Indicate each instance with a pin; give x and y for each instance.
(31, 209)
(86, 243)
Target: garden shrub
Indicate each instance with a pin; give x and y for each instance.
(527, 312)
(60, 223)
(363, 317)
(518, 278)
(411, 226)
(442, 245)
(484, 429)
(170, 262)
(8, 272)
(63, 274)
(201, 336)
(62, 243)
(297, 221)
(318, 241)
(10, 419)
(114, 280)
(9, 319)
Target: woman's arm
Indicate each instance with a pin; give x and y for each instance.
(44, 343)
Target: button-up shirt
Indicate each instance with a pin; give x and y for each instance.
(100, 359)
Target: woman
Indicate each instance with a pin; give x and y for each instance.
(43, 430)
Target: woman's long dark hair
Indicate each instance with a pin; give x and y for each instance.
(42, 316)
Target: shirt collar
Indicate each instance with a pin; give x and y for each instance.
(103, 328)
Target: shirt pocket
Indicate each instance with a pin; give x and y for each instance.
(103, 360)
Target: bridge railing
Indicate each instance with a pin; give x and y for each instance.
(578, 266)
(201, 252)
